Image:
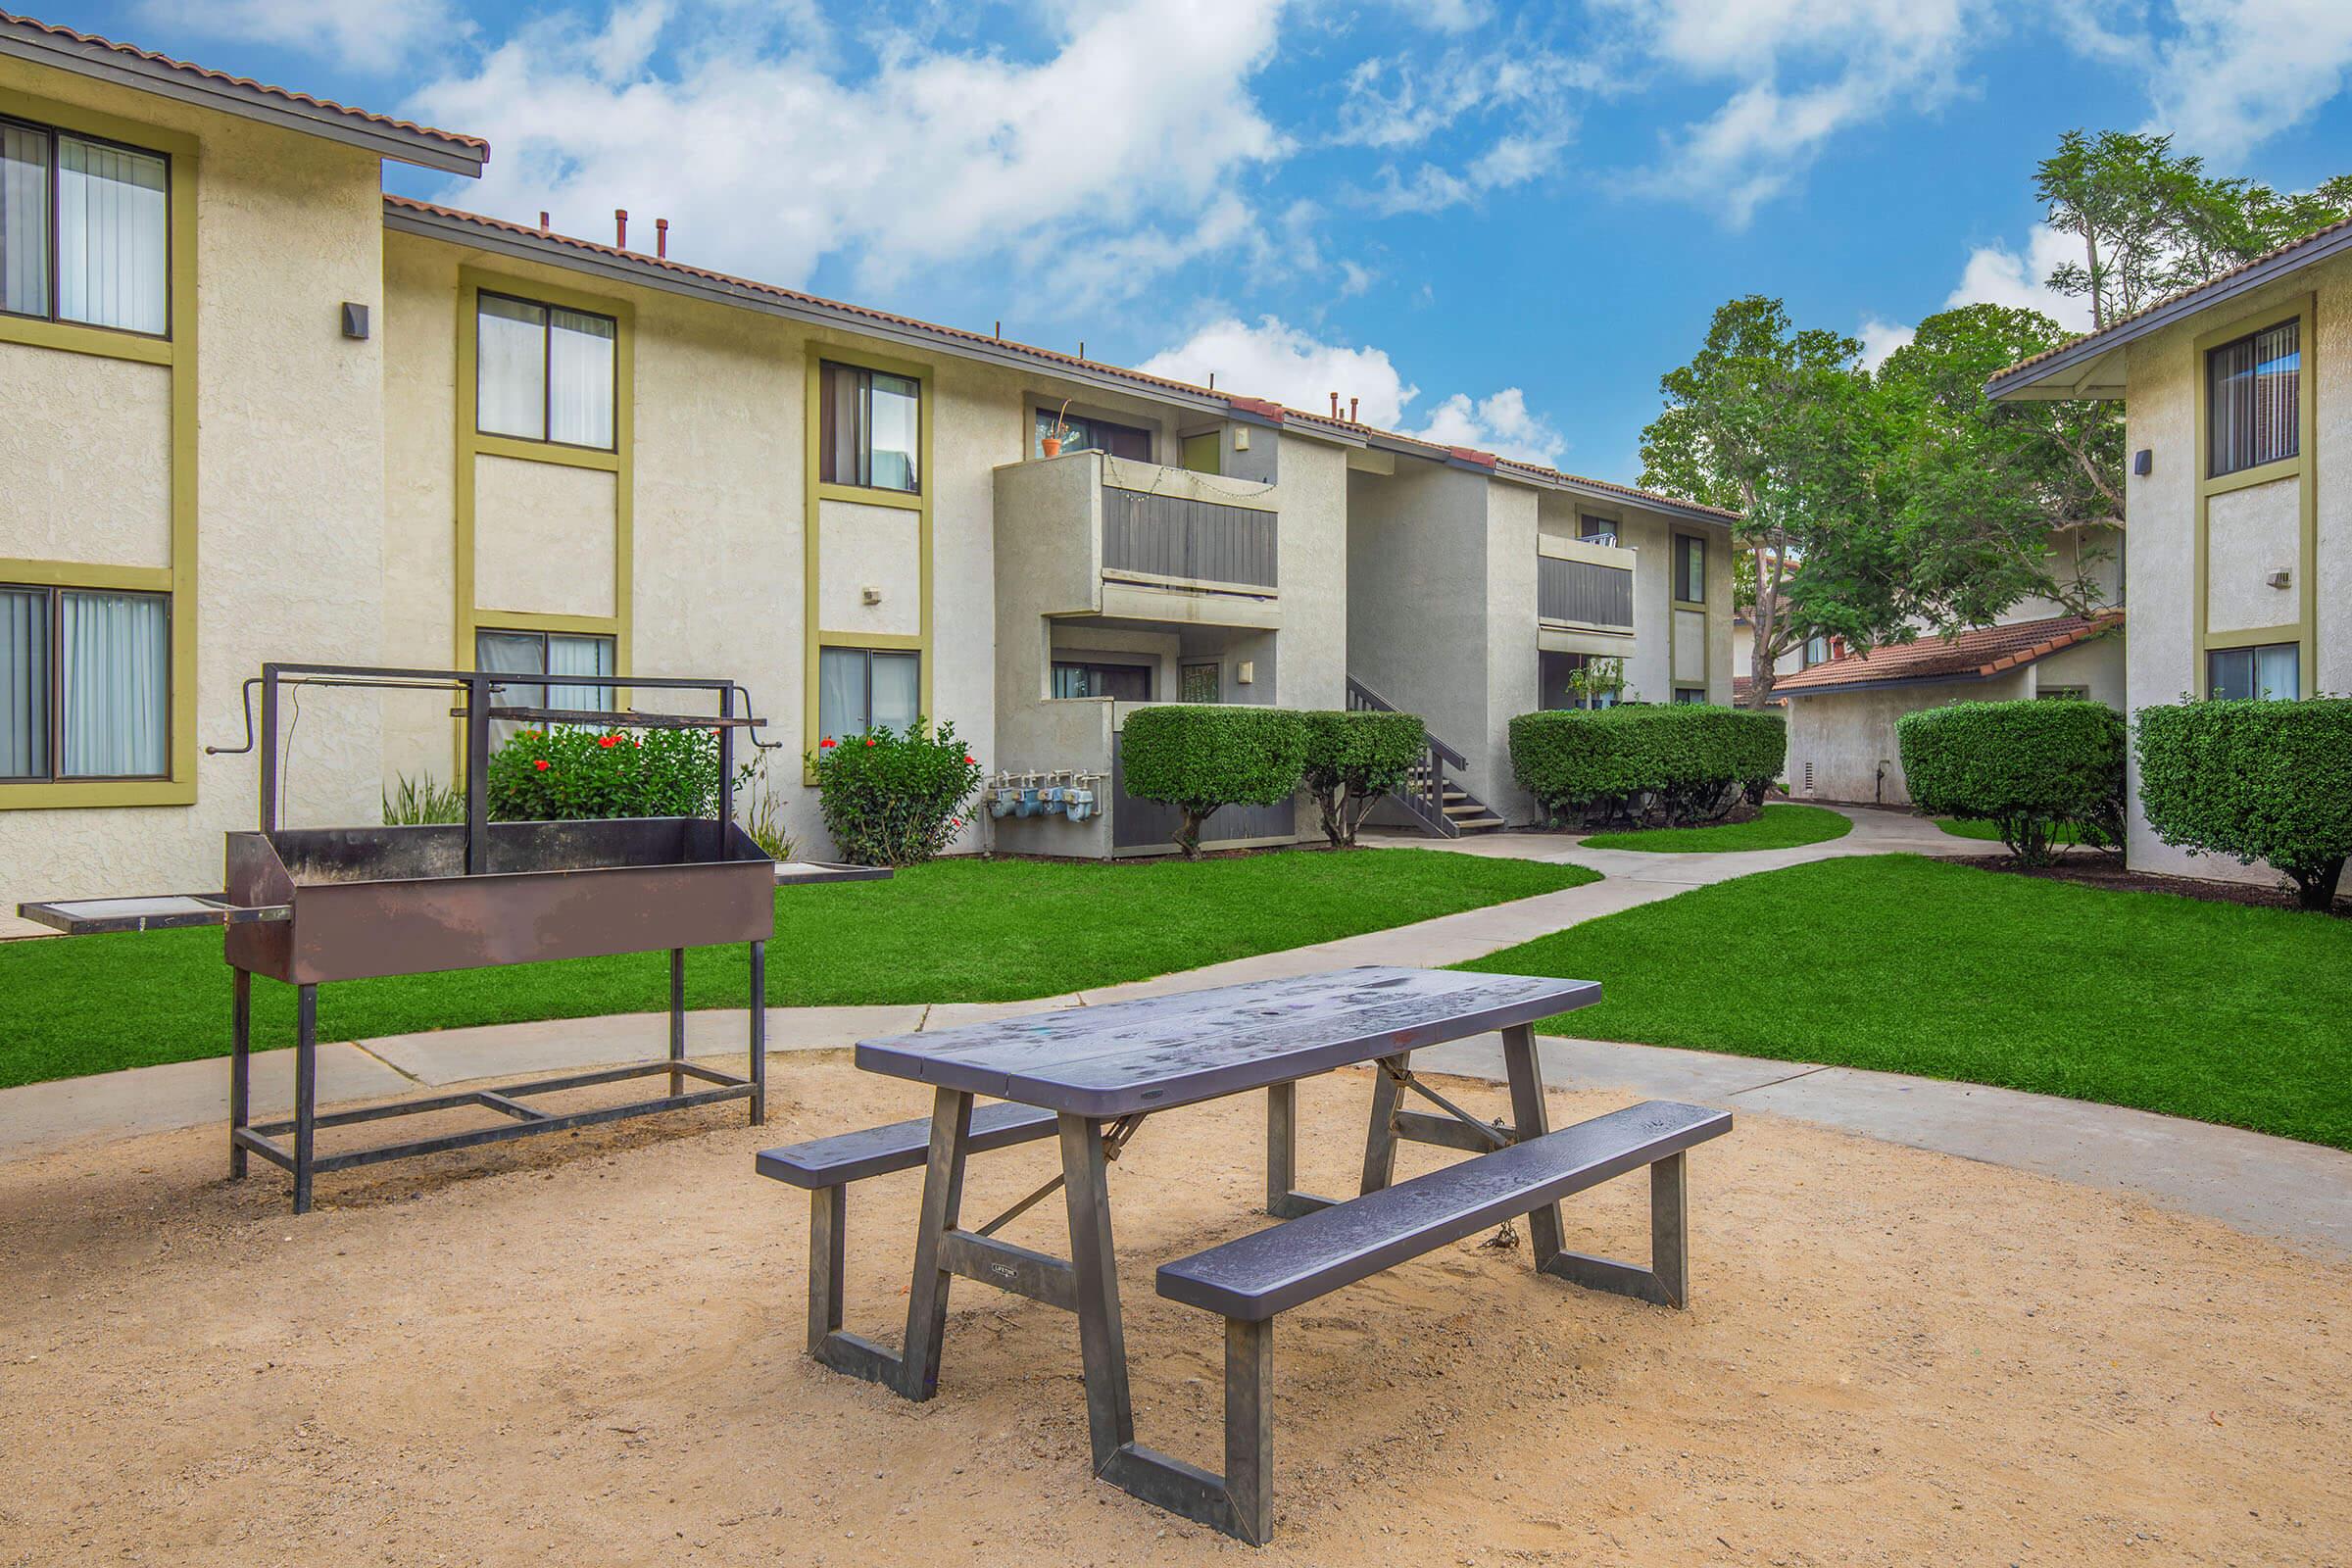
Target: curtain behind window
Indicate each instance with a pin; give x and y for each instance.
(579, 655)
(113, 250)
(2252, 399)
(840, 693)
(24, 683)
(116, 652)
(839, 425)
(510, 653)
(509, 365)
(579, 369)
(897, 691)
(895, 404)
(24, 220)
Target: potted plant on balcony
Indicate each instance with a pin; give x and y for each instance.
(1050, 444)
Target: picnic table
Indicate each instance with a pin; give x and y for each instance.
(1090, 1076)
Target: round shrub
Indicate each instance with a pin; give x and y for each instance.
(572, 774)
(892, 799)
(1197, 757)
(1353, 757)
(2256, 780)
(1681, 764)
(2025, 766)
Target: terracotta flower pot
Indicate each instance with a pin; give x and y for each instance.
(1051, 445)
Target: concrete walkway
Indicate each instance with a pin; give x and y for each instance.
(2297, 1192)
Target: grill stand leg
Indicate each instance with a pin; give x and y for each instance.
(240, 1067)
(306, 1092)
(758, 1042)
(677, 1018)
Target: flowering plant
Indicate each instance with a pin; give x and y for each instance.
(892, 798)
(570, 774)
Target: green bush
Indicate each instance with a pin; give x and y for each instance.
(1199, 756)
(1352, 758)
(2027, 767)
(2257, 780)
(892, 799)
(574, 774)
(1675, 764)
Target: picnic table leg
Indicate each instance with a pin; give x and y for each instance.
(1101, 1338)
(942, 1204)
(1380, 1141)
(1283, 1199)
(1530, 1119)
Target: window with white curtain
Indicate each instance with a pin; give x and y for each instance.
(85, 684)
(543, 373)
(545, 657)
(869, 429)
(2254, 388)
(2273, 671)
(860, 689)
(85, 231)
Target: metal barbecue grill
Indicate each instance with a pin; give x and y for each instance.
(308, 906)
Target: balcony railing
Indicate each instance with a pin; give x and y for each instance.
(1184, 539)
(1584, 593)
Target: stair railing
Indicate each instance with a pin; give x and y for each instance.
(1424, 791)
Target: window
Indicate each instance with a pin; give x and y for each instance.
(84, 230)
(2253, 386)
(1817, 651)
(1204, 681)
(859, 689)
(867, 428)
(1082, 434)
(85, 684)
(1690, 568)
(1689, 694)
(2072, 694)
(2273, 671)
(1129, 683)
(543, 654)
(543, 374)
(1599, 530)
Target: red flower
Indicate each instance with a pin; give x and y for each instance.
(869, 740)
(828, 741)
(607, 742)
(541, 765)
(970, 760)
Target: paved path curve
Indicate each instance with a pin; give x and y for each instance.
(2298, 1191)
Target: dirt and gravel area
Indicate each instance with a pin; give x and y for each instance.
(588, 1349)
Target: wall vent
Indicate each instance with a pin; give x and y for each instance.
(1808, 776)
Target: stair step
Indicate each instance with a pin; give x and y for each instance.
(1467, 807)
(1479, 824)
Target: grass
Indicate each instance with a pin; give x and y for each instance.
(1961, 828)
(2219, 1011)
(956, 930)
(1776, 827)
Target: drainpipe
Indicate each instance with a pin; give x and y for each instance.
(1879, 786)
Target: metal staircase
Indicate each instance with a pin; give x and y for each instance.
(1440, 804)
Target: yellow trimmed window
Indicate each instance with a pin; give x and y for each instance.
(85, 231)
(85, 684)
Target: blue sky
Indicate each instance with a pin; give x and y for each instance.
(1493, 225)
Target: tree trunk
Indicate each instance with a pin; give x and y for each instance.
(2316, 885)
(1188, 831)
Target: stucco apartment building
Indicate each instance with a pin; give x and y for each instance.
(2238, 402)
(258, 410)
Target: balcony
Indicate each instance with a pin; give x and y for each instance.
(1584, 595)
(1093, 534)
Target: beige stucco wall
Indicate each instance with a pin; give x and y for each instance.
(863, 547)
(1311, 661)
(85, 450)
(544, 537)
(1513, 660)
(290, 480)
(2250, 534)
(1849, 736)
(1417, 575)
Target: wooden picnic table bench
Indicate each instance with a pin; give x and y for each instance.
(1089, 1076)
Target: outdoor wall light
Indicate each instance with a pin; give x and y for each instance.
(355, 321)
(2142, 461)
(1245, 673)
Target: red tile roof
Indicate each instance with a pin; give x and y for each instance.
(1971, 656)
(222, 79)
(1261, 406)
(2218, 281)
(1742, 686)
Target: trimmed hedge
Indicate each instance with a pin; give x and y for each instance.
(1197, 756)
(892, 799)
(571, 773)
(1353, 757)
(2026, 767)
(1675, 764)
(2256, 780)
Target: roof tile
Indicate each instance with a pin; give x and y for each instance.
(1969, 656)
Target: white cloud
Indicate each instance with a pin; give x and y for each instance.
(371, 35)
(2241, 71)
(1996, 274)
(1090, 171)
(1276, 360)
(1881, 339)
(1800, 73)
(1518, 94)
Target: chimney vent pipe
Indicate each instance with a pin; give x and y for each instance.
(543, 223)
(620, 228)
(661, 237)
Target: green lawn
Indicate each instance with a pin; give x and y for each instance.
(2219, 1011)
(1776, 827)
(1960, 828)
(956, 930)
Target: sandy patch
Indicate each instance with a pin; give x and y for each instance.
(588, 1349)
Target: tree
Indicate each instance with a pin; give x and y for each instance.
(1777, 424)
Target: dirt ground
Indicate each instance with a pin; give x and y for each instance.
(587, 1349)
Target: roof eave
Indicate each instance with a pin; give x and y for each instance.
(92, 59)
(2068, 365)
